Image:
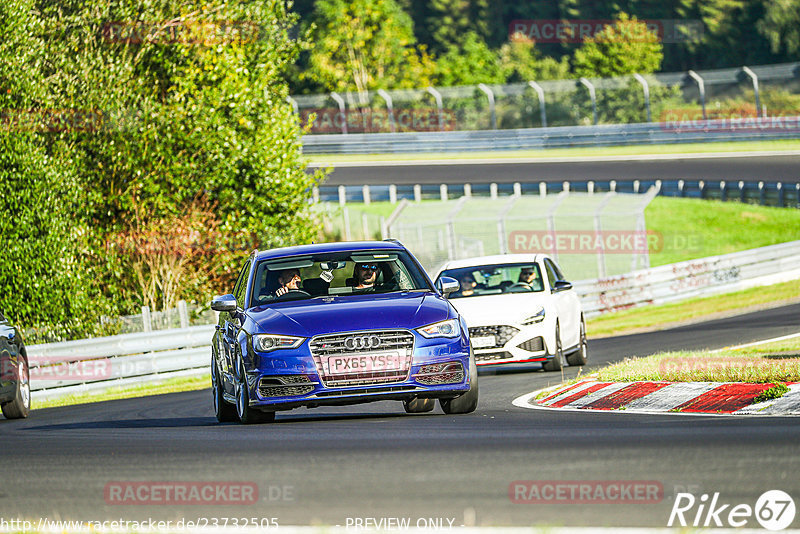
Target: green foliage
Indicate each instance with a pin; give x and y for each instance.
(468, 62)
(624, 48)
(520, 61)
(163, 123)
(775, 392)
(781, 25)
(364, 44)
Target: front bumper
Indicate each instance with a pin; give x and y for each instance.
(511, 344)
(286, 379)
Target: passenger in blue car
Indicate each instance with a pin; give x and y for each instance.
(289, 280)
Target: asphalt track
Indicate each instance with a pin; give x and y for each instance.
(326, 465)
(771, 168)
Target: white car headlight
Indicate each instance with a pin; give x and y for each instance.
(537, 317)
(448, 328)
(269, 342)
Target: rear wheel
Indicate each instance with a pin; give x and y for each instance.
(419, 405)
(223, 410)
(556, 363)
(20, 406)
(468, 402)
(580, 356)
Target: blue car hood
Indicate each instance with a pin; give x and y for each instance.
(306, 318)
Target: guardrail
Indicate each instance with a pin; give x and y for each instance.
(59, 369)
(688, 279)
(780, 194)
(748, 129)
(69, 367)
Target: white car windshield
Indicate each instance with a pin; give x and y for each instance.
(498, 279)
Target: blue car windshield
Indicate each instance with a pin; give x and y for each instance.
(336, 274)
(483, 280)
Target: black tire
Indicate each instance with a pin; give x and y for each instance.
(247, 414)
(419, 405)
(556, 363)
(468, 402)
(223, 410)
(20, 406)
(580, 356)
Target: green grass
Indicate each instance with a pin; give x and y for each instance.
(761, 364)
(694, 228)
(633, 150)
(651, 317)
(171, 385)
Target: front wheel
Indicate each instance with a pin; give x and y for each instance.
(247, 414)
(556, 363)
(580, 356)
(20, 406)
(468, 402)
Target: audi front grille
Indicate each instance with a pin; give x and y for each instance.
(368, 343)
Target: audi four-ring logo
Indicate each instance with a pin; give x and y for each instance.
(362, 342)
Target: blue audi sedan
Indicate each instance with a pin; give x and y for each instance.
(338, 324)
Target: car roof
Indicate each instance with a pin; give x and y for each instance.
(322, 248)
(491, 260)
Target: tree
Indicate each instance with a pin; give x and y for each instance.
(624, 48)
(781, 25)
(366, 44)
(520, 61)
(469, 63)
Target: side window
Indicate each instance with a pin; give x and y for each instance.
(241, 284)
(559, 274)
(551, 273)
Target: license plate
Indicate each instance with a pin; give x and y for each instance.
(483, 342)
(365, 363)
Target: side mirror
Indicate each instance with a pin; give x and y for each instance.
(447, 285)
(561, 285)
(224, 303)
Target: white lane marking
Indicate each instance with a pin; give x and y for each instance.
(528, 160)
(762, 342)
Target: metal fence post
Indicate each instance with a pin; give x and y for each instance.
(366, 194)
(542, 189)
(517, 189)
(781, 201)
(762, 194)
(493, 190)
(147, 325)
(183, 313)
(702, 186)
(797, 186)
(438, 97)
(443, 192)
(612, 185)
(389, 107)
(565, 187)
(754, 78)
(636, 186)
(540, 92)
(467, 190)
(723, 191)
(681, 187)
(590, 187)
(417, 193)
(315, 194)
(592, 94)
(342, 195)
(493, 112)
(342, 110)
(701, 86)
(646, 90)
(393, 193)
(741, 191)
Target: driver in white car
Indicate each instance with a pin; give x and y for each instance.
(528, 277)
(289, 280)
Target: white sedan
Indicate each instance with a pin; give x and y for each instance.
(519, 308)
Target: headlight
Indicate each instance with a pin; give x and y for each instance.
(448, 328)
(269, 342)
(537, 317)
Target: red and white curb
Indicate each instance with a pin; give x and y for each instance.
(707, 398)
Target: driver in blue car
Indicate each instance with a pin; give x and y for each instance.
(289, 280)
(366, 274)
